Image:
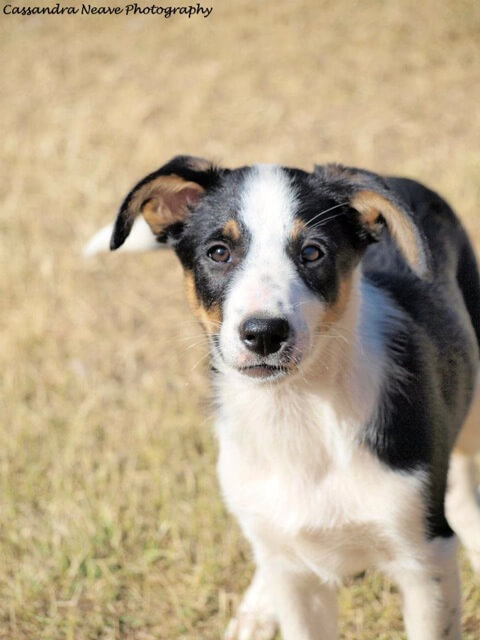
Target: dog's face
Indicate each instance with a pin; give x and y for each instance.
(268, 252)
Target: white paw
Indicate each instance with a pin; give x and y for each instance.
(251, 626)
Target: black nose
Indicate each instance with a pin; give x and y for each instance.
(264, 335)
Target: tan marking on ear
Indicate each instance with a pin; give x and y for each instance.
(335, 311)
(209, 318)
(371, 205)
(164, 201)
(232, 230)
(298, 227)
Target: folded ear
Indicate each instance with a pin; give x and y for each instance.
(164, 198)
(376, 209)
(379, 206)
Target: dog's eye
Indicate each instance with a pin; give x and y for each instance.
(311, 253)
(219, 253)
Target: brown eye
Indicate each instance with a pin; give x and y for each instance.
(311, 253)
(219, 253)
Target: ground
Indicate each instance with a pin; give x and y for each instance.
(111, 524)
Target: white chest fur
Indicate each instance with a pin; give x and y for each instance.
(293, 472)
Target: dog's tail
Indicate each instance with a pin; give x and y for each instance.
(469, 282)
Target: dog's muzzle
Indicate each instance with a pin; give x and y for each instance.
(268, 339)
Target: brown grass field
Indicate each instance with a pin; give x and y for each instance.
(111, 523)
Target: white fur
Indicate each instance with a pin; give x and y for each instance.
(256, 617)
(431, 592)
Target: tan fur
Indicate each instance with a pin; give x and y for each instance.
(164, 201)
(232, 230)
(371, 205)
(190, 289)
(336, 310)
(298, 228)
(210, 318)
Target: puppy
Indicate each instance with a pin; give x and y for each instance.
(343, 316)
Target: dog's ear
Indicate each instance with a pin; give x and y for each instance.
(164, 198)
(378, 206)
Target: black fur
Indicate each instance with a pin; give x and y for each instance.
(204, 227)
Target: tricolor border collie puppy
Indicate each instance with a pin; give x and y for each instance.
(343, 315)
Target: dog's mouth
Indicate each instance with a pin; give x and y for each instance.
(275, 366)
(271, 370)
(263, 371)
(279, 365)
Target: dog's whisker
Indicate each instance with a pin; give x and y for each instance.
(336, 206)
(202, 359)
(197, 345)
(323, 222)
(200, 337)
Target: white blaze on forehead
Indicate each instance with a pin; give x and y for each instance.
(268, 204)
(267, 282)
(267, 208)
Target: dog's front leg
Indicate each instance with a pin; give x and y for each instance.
(306, 608)
(431, 593)
(255, 618)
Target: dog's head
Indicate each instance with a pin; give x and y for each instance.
(268, 252)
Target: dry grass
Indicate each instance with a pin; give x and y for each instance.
(110, 521)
